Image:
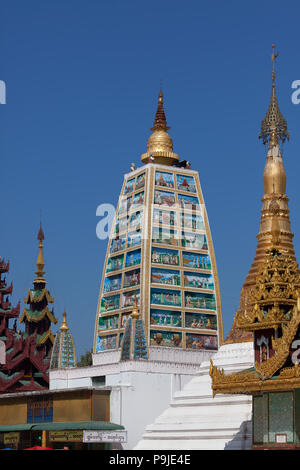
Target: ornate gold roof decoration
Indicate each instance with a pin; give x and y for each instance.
(274, 295)
(160, 144)
(274, 126)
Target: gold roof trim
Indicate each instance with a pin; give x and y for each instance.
(43, 313)
(32, 298)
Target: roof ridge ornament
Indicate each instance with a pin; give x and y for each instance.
(274, 126)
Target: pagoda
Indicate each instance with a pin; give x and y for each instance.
(272, 311)
(161, 253)
(63, 352)
(28, 353)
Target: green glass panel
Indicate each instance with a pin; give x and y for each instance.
(260, 419)
(281, 415)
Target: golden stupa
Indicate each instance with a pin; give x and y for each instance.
(275, 211)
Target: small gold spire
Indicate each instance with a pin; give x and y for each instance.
(274, 126)
(40, 264)
(160, 144)
(135, 311)
(160, 121)
(64, 325)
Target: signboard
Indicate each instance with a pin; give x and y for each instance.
(66, 436)
(281, 438)
(11, 438)
(104, 436)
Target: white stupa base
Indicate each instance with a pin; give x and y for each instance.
(196, 420)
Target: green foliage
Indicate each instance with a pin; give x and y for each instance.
(85, 359)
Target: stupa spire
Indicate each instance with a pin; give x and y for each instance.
(160, 144)
(273, 127)
(275, 221)
(160, 121)
(40, 263)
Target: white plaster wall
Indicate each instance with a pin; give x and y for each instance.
(137, 399)
(195, 420)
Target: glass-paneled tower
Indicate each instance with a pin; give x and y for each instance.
(160, 256)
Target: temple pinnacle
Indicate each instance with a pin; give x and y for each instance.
(160, 144)
(40, 264)
(273, 126)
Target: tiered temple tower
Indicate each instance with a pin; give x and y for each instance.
(27, 354)
(63, 353)
(161, 253)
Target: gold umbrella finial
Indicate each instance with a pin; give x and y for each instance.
(274, 126)
(40, 264)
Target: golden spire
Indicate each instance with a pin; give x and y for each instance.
(274, 230)
(64, 325)
(160, 121)
(135, 311)
(40, 264)
(274, 126)
(160, 144)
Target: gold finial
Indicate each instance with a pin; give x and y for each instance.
(274, 126)
(274, 57)
(40, 264)
(135, 311)
(160, 144)
(64, 325)
(160, 121)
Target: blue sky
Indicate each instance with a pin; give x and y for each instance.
(82, 80)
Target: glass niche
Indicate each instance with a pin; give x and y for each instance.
(124, 318)
(140, 181)
(164, 217)
(121, 225)
(128, 298)
(170, 339)
(198, 280)
(131, 278)
(129, 186)
(166, 297)
(165, 276)
(115, 263)
(112, 283)
(117, 244)
(196, 260)
(106, 342)
(195, 241)
(165, 256)
(201, 321)
(138, 200)
(134, 239)
(110, 322)
(164, 236)
(133, 258)
(198, 341)
(192, 221)
(109, 303)
(164, 198)
(188, 202)
(186, 183)
(164, 179)
(136, 220)
(166, 318)
(200, 300)
(124, 204)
